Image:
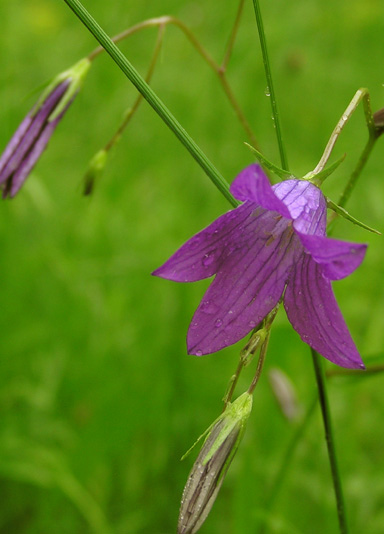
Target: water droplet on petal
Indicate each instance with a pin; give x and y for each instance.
(199, 353)
(218, 323)
(208, 259)
(252, 324)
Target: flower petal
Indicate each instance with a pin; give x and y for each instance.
(252, 184)
(30, 161)
(29, 131)
(202, 255)
(338, 258)
(306, 205)
(14, 143)
(248, 285)
(313, 311)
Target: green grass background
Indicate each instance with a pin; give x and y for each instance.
(98, 398)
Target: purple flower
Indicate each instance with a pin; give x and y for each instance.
(33, 134)
(272, 244)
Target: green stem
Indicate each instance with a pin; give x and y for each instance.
(270, 86)
(260, 364)
(232, 37)
(151, 97)
(330, 439)
(357, 171)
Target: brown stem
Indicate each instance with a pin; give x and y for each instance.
(166, 20)
(139, 98)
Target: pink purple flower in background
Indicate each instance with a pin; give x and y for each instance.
(33, 134)
(272, 245)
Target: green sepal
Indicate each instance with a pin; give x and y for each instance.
(76, 75)
(199, 438)
(285, 175)
(318, 179)
(234, 416)
(343, 213)
(235, 413)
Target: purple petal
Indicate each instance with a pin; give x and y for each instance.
(313, 311)
(31, 133)
(202, 255)
(14, 142)
(338, 258)
(252, 184)
(306, 205)
(30, 160)
(248, 285)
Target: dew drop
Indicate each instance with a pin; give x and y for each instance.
(199, 353)
(267, 91)
(218, 323)
(207, 260)
(252, 324)
(345, 118)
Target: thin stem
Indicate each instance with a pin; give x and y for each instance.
(330, 440)
(232, 37)
(357, 171)
(151, 97)
(260, 363)
(139, 98)
(286, 461)
(359, 95)
(270, 86)
(228, 396)
(149, 23)
(218, 70)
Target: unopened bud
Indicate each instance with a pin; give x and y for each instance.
(94, 171)
(32, 136)
(378, 120)
(284, 392)
(212, 463)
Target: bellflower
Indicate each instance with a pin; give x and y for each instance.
(273, 244)
(33, 134)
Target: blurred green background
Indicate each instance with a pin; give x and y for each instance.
(98, 398)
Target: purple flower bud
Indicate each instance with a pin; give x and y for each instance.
(32, 136)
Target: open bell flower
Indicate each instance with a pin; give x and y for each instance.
(32, 136)
(272, 244)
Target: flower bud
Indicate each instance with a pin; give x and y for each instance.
(95, 169)
(32, 136)
(284, 393)
(212, 463)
